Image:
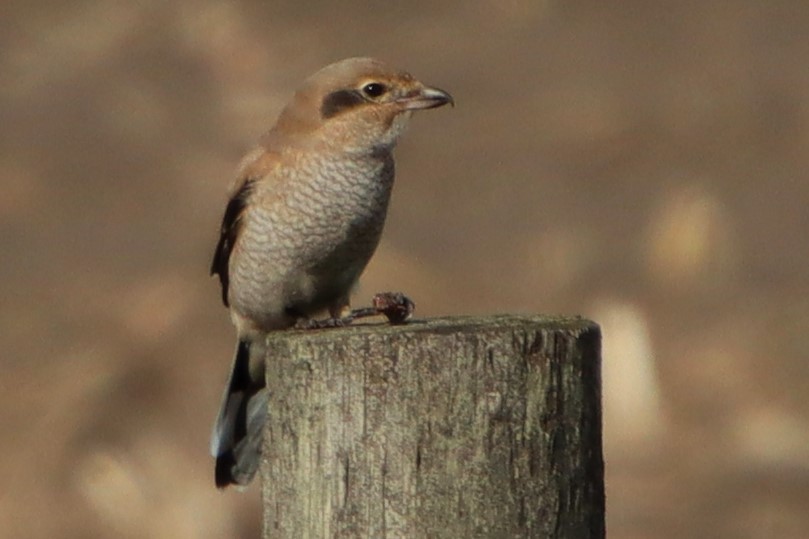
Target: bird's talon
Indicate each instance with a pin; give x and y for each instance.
(326, 323)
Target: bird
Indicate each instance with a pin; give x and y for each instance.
(304, 217)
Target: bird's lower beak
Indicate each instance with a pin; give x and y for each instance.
(427, 98)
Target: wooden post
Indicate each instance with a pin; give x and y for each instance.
(456, 428)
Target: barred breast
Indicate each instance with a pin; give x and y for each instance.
(307, 242)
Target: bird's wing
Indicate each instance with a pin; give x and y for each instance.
(229, 233)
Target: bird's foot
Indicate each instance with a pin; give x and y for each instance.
(395, 306)
(325, 323)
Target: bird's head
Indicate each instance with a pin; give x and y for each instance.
(356, 105)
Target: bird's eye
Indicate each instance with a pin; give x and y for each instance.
(374, 89)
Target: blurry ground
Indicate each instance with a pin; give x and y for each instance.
(640, 163)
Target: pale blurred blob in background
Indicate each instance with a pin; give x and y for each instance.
(631, 390)
(640, 163)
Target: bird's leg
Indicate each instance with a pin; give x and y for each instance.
(397, 307)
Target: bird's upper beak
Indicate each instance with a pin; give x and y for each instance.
(427, 98)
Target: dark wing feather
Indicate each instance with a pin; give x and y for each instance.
(231, 223)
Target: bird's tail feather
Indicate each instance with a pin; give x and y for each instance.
(237, 434)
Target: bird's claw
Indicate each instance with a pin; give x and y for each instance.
(325, 323)
(395, 306)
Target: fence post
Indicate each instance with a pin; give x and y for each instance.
(457, 428)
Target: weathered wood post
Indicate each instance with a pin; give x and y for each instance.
(454, 428)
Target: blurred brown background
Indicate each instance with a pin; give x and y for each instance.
(640, 163)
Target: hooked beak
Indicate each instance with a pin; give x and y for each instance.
(427, 98)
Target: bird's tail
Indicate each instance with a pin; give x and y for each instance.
(237, 434)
